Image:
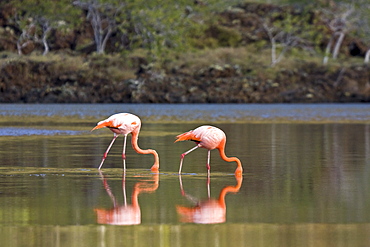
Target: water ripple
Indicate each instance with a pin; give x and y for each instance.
(13, 131)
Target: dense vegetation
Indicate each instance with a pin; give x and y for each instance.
(181, 51)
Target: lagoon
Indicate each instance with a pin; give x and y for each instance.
(305, 182)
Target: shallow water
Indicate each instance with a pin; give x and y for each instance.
(305, 182)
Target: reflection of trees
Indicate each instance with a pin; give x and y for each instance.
(207, 211)
(125, 214)
(306, 168)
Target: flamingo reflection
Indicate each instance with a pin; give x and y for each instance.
(125, 214)
(209, 211)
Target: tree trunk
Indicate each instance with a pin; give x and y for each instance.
(96, 24)
(337, 45)
(94, 15)
(45, 42)
(19, 48)
(367, 56)
(273, 52)
(273, 44)
(327, 51)
(107, 35)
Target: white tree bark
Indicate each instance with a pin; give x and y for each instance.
(367, 56)
(327, 51)
(45, 42)
(103, 25)
(338, 44)
(286, 41)
(46, 28)
(339, 23)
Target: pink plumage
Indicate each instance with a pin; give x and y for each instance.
(208, 137)
(126, 123)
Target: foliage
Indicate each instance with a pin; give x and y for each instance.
(105, 17)
(165, 29)
(160, 26)
(37, 18)
(286, 30)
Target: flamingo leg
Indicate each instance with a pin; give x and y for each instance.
(183, 193)
(181, 188)
(183, 156)
(208, 162)
(108, 190)
(124, 152)
(124, 188)
(208, 185)
(106, 152)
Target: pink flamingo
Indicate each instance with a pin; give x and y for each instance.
(126, 214)
(208, 211)
(209, 137)
(126, 123)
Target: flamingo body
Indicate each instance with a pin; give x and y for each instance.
(126, 123)
(208, 212)
(208, 137)
(126, 214)
(120, 123)
(122, 215)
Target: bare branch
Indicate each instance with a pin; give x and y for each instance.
(339, 21)
(102, 18)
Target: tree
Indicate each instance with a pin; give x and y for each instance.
(159, 24)
(284, 33)
(104, 17)
(36, 19)
(279, 38)
(367, 56)
(339, 20)
(363, 24)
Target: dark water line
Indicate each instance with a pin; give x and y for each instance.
(193, 112)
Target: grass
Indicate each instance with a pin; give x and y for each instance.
(252, 59)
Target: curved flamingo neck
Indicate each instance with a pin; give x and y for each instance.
(135, 146)
(221, 149)
(145, 187)
(230, 189)
(135, 198)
